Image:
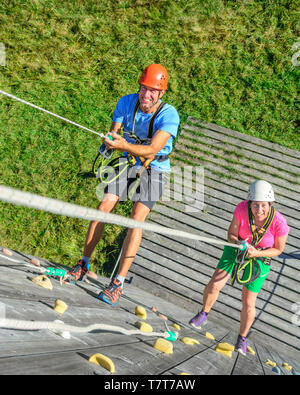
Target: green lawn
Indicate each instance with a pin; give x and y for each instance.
(229, 63)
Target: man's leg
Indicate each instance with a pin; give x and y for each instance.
(93, 236)
(133, 239)
(131, 244)
(95, 230)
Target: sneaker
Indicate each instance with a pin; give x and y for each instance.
(241, 345)
(79, 270)
(112, 293)
(198, 320)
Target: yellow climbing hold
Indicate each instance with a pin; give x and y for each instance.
(209, 336)
(225, 349)
(176, 326)
(43, 281)
(189, 340)
(144, 327)
(141, 312)
(163, 345)
(270, 363)
(287, 366)
(104, 361)
(60, 307)
(250, 350)
(184, 374)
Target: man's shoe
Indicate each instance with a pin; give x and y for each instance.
(198, 320)
(241, 345)
(112, 293)
(79, 271)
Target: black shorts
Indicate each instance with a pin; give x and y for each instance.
(147, 189)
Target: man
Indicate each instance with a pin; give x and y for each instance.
(149, 129)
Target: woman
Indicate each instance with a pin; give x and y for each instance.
(266, 231)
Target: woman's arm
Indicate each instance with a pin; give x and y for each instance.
(278, 248)
(233, 231)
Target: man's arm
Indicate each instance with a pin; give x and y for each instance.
(158, 141)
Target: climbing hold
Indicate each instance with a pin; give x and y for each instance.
(141, 312)
(60, 307)
(163, 345)
(189, 340)
(176, 326)
(287, 366)
(154, 309)
(35, 262)
(43, 281)
(184, 374)
(144, 327)
(104, 361)
(270, 363)
(250, 350)
(7, 252)
(209, 336)
(225, 349)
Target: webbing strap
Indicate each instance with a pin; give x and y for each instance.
(257, 235)
(150, 125)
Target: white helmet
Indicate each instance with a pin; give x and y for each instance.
(261, 191)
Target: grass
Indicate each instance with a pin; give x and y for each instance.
(229, 63)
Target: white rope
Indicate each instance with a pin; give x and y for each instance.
(50, 113)
(15, 196)
(61, 327)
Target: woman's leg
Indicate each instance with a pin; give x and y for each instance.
(248, 311)
(213, 288)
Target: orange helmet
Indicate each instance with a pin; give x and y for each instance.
(155, 76)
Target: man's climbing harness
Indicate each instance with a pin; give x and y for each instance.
(253, 264)
(118, 165)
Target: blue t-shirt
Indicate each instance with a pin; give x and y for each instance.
(167, 120)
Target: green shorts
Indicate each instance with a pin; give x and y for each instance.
(227, 263)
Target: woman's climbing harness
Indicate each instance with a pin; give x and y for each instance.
(252, 264)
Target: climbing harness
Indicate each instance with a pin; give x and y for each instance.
(118, 165)
(254, 264)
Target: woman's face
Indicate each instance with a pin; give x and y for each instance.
(260, 210)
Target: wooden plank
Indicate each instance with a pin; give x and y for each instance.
(230, 158)
(180, 159)
(208, 159)
(246, 149)
(209, 361)
(290, 155)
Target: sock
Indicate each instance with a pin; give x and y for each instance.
(86, 259)
(120, 278)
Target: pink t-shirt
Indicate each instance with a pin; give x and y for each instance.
(279, 226)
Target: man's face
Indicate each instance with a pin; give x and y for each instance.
(148, 98)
